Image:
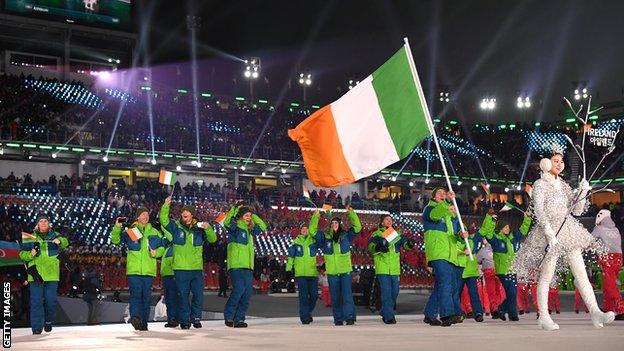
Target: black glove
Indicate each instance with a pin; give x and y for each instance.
(37, 247)
(32, 270)
(409, 244)
(382, 248)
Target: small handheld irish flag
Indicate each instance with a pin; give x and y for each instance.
(390, 235)
(221, 219)
(306, 195)
(327, 207)
(27, 237)
(166, 177)
(507, 207)
(134, 234)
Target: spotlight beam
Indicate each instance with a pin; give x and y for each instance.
(193, 31)
(135, 59)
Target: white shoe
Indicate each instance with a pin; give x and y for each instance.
(599, 318)
(547, 323)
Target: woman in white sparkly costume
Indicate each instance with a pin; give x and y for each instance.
(553, 201)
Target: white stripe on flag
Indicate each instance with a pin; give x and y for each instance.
(366, 142)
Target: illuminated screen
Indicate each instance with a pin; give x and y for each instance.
(113, 14)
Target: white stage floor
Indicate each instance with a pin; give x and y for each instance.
(577, 333)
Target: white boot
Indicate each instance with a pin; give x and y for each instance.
(543, 284)
(546, 323)
(575, 259)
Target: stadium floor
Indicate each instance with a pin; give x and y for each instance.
(576, 333)
(287, 305)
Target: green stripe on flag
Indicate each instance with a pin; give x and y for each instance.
(173, 178)
(400, 103)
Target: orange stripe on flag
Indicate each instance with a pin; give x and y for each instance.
(221, 218)
(327, 207)
(390, 234)
(161, 177)
(321, 149)
(134, 234)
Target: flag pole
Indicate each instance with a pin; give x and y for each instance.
(410, 59)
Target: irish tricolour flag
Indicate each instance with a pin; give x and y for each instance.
(166, 177)
(134, 234)
(374, 125)
(390, 235)
(221, 218)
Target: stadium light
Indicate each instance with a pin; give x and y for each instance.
(506, 189)
(519, 187)
(353, 83)
(105, 158)
(243, 168)
(474, 188)
(178, 168)
(54, 155)
(199, 164)
(459, 183)
(393, 178)
(523, 102)
(83, 162)
(411, 184)
(488, 103)
(252, 68)
(444, 96)
(305, 79)
(264, 174)
(427, 180)
(580, 90)
(153, 161)
(283, 170)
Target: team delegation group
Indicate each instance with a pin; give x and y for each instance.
(180, 249)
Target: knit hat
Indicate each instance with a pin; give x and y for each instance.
(435, 190)
(140, 211)
(188, 208)
(41, 216)
(243, 210)
(337, 219)
(602, 215)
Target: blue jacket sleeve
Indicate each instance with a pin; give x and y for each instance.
(155, 242)
(456, 226)
(517, 236)
(172, 228)
(291, 251)
(351, 234)
(427, 214)
(320, 238)
(477, 242)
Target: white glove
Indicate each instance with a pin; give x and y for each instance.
(550, 235)
(584, 186)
